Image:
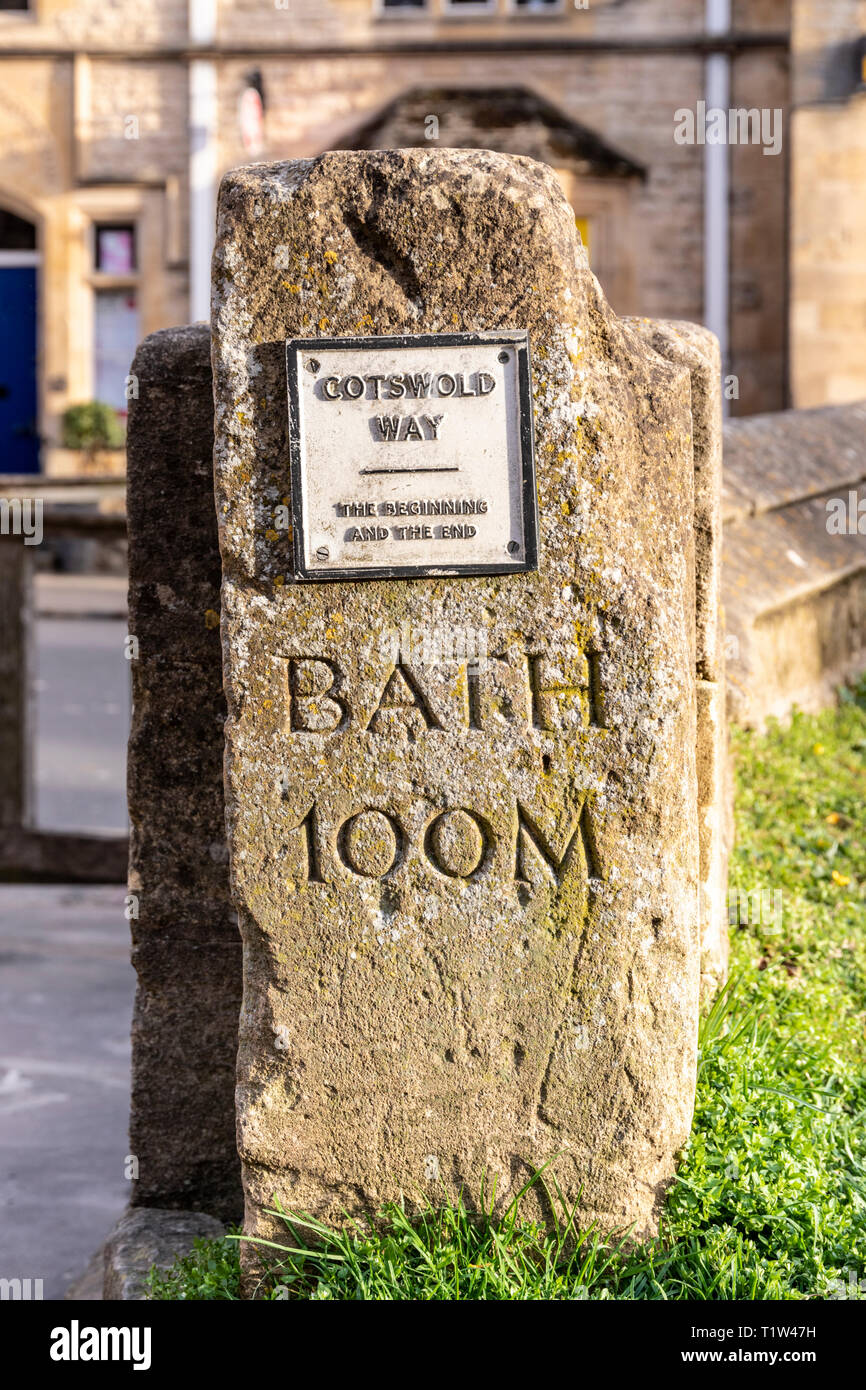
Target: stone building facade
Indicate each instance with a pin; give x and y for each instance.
(117, 121)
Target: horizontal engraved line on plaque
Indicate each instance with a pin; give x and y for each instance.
(412, 455)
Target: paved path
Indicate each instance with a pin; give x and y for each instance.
(80, 684)
(66, 984)
(66, 989)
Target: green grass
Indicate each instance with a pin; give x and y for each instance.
(770, 1196)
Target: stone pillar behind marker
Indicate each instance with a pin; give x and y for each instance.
(186, 947)
(470, 915)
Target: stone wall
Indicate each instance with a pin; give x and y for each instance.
(310, 24)
(794, 570)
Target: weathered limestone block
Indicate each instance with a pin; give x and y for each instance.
(186, 946)
(698, 349)
(470, 920)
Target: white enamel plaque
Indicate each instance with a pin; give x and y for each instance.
(411, 456)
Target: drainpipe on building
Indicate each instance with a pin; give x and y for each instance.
(202, 157)
(717, 84)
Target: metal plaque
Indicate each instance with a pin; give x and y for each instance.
(411, 456)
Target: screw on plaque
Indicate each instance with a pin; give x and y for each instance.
(513, 547)
(322, 553)
(503, 356)
(313, 364)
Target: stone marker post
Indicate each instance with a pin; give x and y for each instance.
(461, 798)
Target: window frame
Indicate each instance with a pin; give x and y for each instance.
(104, 284)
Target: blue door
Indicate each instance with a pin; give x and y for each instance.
(19, 442)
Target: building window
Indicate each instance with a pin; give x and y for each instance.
(469, 7)
(538, 6)
(398, 7)
(251, 114)
(115, 338)
(115, 310)
(114, 249)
